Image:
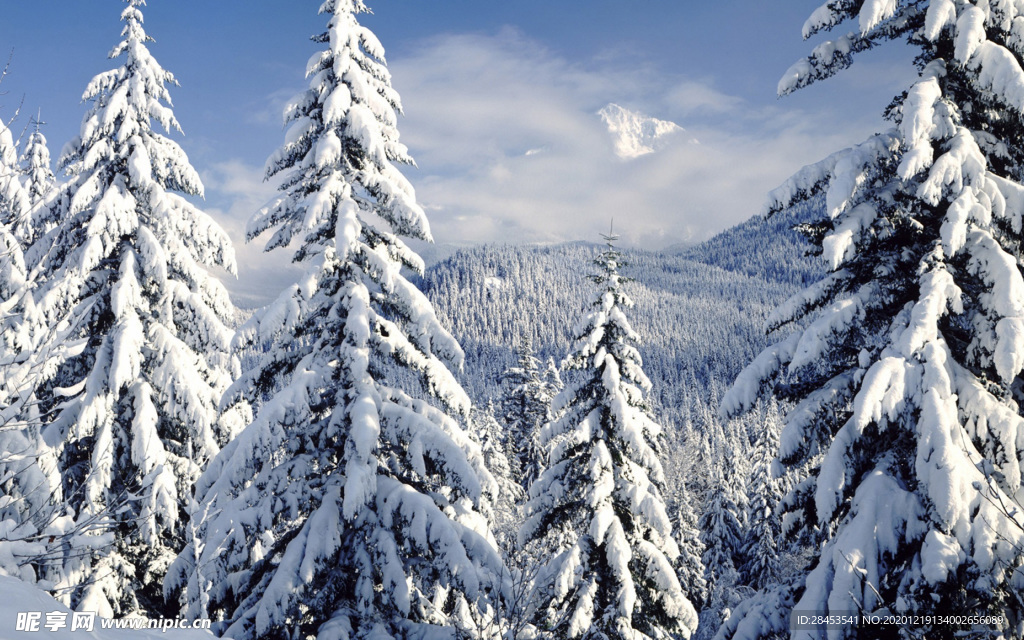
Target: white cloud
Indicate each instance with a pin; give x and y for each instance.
(479, 106)
(510, 148)
(235, 190)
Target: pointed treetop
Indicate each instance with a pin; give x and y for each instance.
(125, 101)
(148, 76)
(133, 31)
(35, 165)
(338, 161)
(344, 6)
(608, 279)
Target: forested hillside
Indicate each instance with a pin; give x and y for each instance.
(689, 303)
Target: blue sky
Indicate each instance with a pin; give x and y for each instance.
(483, 83)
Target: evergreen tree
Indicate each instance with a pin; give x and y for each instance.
(35, 165)
(350, 507)
(525, 406)
(689, 565)
(25, 487)
(134, 358)
(599, 505)
(14, 286)
(760, 549)
(552, 378)
(30, 533)
(507, 504)
(14, 198)
(905, 358)
(721, 534)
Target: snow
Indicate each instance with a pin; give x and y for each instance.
(970, 33)
(999, 71)
(135, 336)
(636, 134)
(388, 478)
(873, 12)
(882, 516)
(917, 126)
(494, 283)
(940, 14)
(748, 384)
(823, 18)
(825, 57)
(340, 471)
(940, 554)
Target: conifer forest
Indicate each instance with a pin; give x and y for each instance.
(806, 422)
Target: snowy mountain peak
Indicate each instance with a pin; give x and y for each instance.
(636, 134)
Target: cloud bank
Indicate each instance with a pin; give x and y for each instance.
(510, 148)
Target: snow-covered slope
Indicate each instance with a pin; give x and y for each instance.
(635, 134)
(690, 303)
(17, 597)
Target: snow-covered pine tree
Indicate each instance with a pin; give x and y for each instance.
(35, 165)
(525, 407)
(136, 356)
(721, 534)
(27, 479)
(350, 507)
(599, 504)
(510, 618)
(759, 551)
(25, 489)
(14, 198)
(905, 358)
(689, 566)
(553, 377)
(14, 206)
(29, 527)
(507, 504)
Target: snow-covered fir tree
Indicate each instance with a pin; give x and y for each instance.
(14, 198)
(14, 206)
(27, 470)
(689, 565)
(135, 354)
(507, 504)
(599, 504)
(28, 482)
(35, 165)
(905, 360)
(25, 488)
(525, 407)
(760, 553)
(721, 534)
(352, 506)
(721, 471)
(553, 377)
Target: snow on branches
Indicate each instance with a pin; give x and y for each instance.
(611, 575)
(132, 356)
(354, 505)
(903, 362)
